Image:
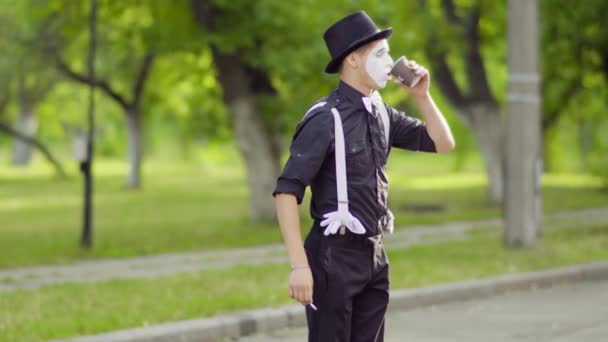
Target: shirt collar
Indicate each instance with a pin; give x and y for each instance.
(355, 96)
(352, 94)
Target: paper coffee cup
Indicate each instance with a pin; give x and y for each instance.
(403, 73)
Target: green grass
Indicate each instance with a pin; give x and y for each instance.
(203, 205)
(73, 309)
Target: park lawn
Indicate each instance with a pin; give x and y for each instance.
(61, 311)
(203, 205)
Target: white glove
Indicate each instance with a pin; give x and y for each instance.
(335, 219)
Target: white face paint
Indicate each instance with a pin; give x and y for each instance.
(378, 64)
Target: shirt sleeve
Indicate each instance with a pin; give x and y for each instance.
(307, 153)
(409, 133)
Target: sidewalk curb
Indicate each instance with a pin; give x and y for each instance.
(264, 320)
(148, 266)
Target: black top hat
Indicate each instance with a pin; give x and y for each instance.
(348, 34)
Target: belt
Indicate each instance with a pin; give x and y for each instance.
(345, 236)
(345, 232)
(351, 241)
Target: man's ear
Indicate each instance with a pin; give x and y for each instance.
(353, 59)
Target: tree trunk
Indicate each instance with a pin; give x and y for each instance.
(545, 153)
(585, 134)
(486, 124)
(134, 148)
(261, 159)
(242, 84)
(27, 125)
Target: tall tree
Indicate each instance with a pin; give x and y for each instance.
(251, 43)
(473, 99)
(32, 88)
(463, 40)
(132, 36)
(131, 106)
(25, 64)
(25, 70)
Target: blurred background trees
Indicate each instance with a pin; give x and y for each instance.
(196, 101)
(175, 76)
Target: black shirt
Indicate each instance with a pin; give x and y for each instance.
(312, 160)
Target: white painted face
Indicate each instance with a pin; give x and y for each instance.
(378, 64)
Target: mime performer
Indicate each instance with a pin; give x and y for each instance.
(340, 149)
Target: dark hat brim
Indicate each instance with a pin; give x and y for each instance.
(334, 65)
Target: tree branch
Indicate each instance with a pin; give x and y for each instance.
(204, 14)
(144, 72)
(449, 10)
(551, 115)
(101, 84)
(7, 129)
(443, 74)
(479, 88)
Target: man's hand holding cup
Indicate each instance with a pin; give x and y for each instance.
(411, 76)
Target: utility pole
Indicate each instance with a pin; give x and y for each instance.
(523, 168)
(86, 165)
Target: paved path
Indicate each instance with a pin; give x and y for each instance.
(574, 312)
(163, 264)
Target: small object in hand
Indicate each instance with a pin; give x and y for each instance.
(313, 306)
(403, 73)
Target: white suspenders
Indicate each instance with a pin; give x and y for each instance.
(340, 162)
(342, 217)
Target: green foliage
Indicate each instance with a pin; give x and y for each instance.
(183, 105)
(182, 92)
(284, 39)
(598, 160)
(24, 69)
(575, 78)
(595, 143)
(184, 102)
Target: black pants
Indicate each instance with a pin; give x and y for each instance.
(351, 283)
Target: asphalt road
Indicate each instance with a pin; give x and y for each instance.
(573, 312)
